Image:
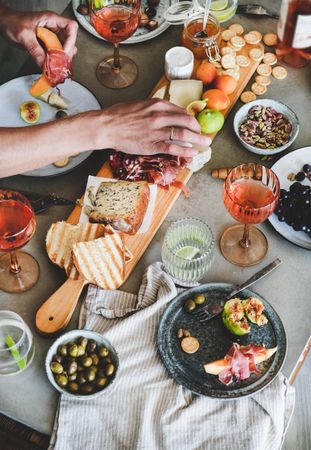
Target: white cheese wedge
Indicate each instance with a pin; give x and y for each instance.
(160, 93)
(54, 99)
(200, 159)
(183, 92)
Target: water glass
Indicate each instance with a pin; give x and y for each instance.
(16, 344)
(187, 250)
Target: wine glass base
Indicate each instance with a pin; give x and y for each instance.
(241, 256)
(113, 78)
(23, 280)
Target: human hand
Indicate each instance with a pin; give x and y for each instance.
(20, 29)
(145, 128)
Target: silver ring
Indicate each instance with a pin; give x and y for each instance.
(172, 134)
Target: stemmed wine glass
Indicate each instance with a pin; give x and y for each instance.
(251, 193)
(116, 21)
(19, 271)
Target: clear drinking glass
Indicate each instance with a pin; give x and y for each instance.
(16, 344)
(187, 250)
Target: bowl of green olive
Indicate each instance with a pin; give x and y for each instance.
(82, 364)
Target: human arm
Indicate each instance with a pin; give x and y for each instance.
(138, 128)
(20, 27)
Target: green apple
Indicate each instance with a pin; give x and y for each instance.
(211, 121)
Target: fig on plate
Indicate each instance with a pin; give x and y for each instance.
(30, 112)
(234, 318)
(254, 309)
(196, 107)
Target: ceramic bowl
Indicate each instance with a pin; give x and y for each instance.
(241, 114)
(72, 336)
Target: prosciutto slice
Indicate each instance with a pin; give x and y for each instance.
(57, 67)
(241, 362)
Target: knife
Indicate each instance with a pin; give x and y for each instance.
(256, 10)
(41, 202)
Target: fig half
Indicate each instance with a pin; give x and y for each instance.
(196, 107)
(254, 309)
(234, 318)
(30, 112)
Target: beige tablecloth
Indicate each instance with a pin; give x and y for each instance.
(147, 409)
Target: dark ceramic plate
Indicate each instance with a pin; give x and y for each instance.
(215, 341)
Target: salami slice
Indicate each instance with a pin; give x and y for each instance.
(57, 67)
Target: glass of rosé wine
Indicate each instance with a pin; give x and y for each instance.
(116, 21)
(19, 271)
(251, 192)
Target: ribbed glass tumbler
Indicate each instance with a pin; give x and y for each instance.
(187, 250)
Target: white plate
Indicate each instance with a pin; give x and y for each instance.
(292, 162)
(16, 91)
(141, 34)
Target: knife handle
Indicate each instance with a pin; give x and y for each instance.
(55, 313)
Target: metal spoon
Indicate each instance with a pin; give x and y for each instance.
(202, 34)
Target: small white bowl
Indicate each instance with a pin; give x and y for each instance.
(241, 114)
(72, 336)
(179, 62)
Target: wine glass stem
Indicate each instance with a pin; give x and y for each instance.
(15, 268)
(116, 58)
(245, 241)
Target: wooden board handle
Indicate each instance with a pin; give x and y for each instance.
(55, 313)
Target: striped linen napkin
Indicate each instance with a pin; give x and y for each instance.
(147, 409)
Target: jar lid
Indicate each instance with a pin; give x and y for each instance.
(179, 12)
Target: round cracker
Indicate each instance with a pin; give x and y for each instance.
(237, 41)
(255, 54)
(264, 81)
(61, 162)
(233, 73)
(279, 72)
(270, 58)
(217, 64)
(236, 28)
(264, 69)
(258, 89)
(228, 61)
(270, 39)
(226, 35)
(227, 51)
(190, 344)
(242, 61)
(248, 96)
(257, 34)
(252, 38)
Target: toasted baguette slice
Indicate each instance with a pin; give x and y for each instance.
(121, 204)
(215, 367)
(60, 240)
(101, 261)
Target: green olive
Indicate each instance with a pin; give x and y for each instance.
(101, 382)
(189, 305)
(72, 368)
(83, 341)
(73, 387)
(73, 350)
(103, 351)
(61, 380)
(90, 375)
(81, 379)
(199, 299)
(87, 388)
(110, 369)
(63, 350)
(87, 361)
(81, 350)
(56, 367)
(95, 359)
(73, 377)
(91, 346)
(61, 114)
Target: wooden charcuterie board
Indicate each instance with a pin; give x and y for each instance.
(166, 199)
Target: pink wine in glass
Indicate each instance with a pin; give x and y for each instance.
(116, 24)
(17, 225)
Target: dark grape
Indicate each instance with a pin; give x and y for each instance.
(307, 168)
(300, 176)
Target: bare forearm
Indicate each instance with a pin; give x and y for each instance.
(27, 148)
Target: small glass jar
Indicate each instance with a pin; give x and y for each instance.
(202, 47)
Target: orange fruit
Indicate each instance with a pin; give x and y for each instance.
(226, 83)
(206, 72)
(216, 99)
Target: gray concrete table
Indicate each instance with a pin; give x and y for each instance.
(28, 397)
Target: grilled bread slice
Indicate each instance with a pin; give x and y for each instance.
(60, 240)
(121, 204)
(101, 261)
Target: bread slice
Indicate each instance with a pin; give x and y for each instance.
(61, 238)
(121, 204)
(101, 261)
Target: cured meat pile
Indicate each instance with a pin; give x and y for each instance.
(158, 169)
(57, 67)
(241, 362)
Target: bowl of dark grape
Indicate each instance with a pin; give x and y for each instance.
(82, 364)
